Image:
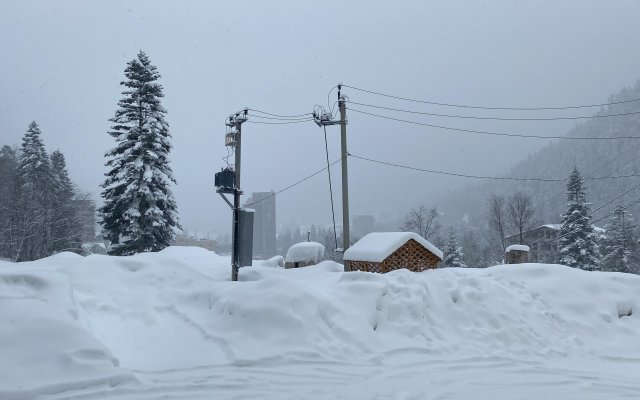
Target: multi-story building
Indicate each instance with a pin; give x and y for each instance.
(264, 223)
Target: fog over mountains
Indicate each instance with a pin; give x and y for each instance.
(594, 159)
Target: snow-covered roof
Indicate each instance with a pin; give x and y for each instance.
(305, 251)
(552, 226)
(377, 246)
(517, 247)
(88, 245)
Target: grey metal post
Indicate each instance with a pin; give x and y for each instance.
(345, 181)
(235, 256)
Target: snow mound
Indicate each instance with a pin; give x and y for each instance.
(273, 262)
(44, 348)
(305, 252)
(97, 318)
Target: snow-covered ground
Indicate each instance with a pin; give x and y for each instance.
(170, 325)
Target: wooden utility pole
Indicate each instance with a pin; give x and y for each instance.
(324, 118)
(345, 175)
(235, 252)
(228, 182)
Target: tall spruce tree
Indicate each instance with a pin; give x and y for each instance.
(8, 201)
(453, 252)
(139, 212)
(65, 226)
(620, 248)
(34, 180)
(578, 240)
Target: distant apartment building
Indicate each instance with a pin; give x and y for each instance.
(264, 223)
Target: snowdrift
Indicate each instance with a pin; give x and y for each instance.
(74, 322)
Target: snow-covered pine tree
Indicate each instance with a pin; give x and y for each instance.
(453, 252)
(65, 227)
(34, 192)
(620, 248)
(578, 240)
(8, 201)
(139, 212)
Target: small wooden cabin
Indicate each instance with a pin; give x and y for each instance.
(304, 254)
(386, 251)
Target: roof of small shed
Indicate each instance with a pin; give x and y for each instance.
(305, 251)
(377, 246)
(517, 247)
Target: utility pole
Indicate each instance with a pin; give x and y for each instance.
(324, 118)
(235, 253)
(228, 181)
(345, 176)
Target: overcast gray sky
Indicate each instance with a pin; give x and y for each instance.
(62, 62)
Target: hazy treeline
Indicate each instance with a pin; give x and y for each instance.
(513, 219)
(41, 210)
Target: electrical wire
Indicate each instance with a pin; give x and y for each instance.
(294, 184)
(576, 230)
(282, 118)
(492, 133)
(590, 214)
(494, 118)
(614, 199)
(278, 115)
(488, 107)
(333, 213)
(504, 178)
(280, 123)
(329, 99)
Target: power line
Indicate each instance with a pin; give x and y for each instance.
(614, 199)
(576, 230)
(329, 99)
(294, 184)
(281, 123)
(504, 178)
(492, 133)
(279, 115)
(281, 118)
(333, 213)
(591, 215)
(493, 118)
(435, 103)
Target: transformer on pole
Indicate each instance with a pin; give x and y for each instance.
(227, 181)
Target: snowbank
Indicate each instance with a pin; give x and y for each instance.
(44, 347)
(92, 321)
(273, 262)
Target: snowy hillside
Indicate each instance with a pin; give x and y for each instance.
(594, 158)
(171, 325)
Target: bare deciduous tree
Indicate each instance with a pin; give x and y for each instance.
(521, 214)
(422, 221)
(497, 217)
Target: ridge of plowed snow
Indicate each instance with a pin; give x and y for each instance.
(176, 310)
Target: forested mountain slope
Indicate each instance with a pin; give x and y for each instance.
(594, 158)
